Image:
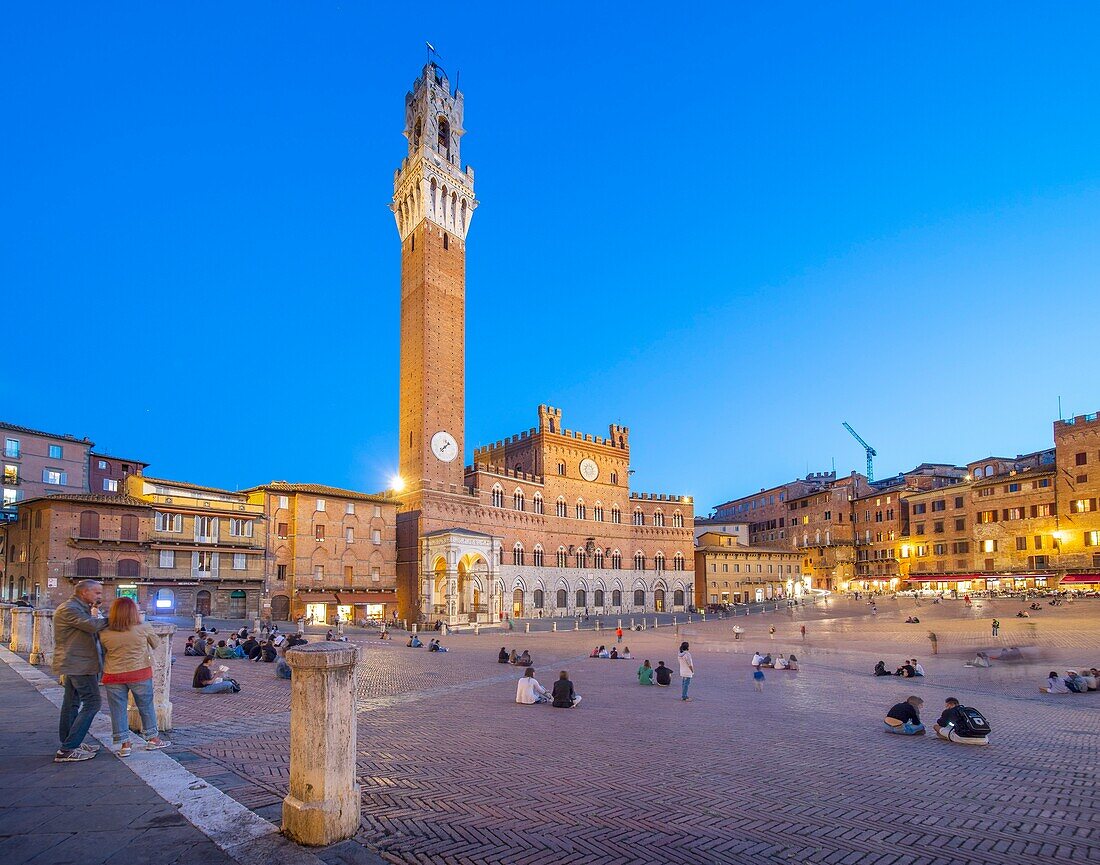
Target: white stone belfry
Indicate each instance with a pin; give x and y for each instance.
(430, 184)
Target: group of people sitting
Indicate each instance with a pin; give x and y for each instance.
(613, 653)
(908, 670)
(514, 658)
(414, 643)
(660, 676)
(561, 696)
(957, 723)
(1072, 682)
(779, 662)
(912, 620)
(333, 637)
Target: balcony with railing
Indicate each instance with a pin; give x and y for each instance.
(79, 536)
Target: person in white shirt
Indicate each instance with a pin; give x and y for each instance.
(1055, 684)
(757, 660)
(687, 671)
(781, 663)
(918, 667)
(528, 689)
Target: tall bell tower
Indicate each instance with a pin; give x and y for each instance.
(433, 202)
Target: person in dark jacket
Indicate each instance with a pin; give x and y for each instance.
(904, 718)
(502, 656)
(564, 695)
(76, 625)
(663, 674)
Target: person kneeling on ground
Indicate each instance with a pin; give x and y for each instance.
(645, 674)
(663, 674)
(528, 689)
(414, 642)
(205, 680)
(904, 718)
(564, 695)
(962, 724)
(282, 668)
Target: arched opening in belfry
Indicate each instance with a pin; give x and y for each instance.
(443, 143)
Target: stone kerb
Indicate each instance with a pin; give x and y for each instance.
(322, 806)
(5, 622)
(42, 638)
(22, 628)
(162, 682)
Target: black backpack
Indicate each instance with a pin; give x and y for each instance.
(972, 722)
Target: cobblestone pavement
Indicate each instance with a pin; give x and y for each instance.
(453, 771)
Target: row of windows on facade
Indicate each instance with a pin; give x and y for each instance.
(580, 509)
(322, 506)
(13, 450)
(580, 559)
(759, 569)
(319, 574)
(599, 598)
(203, 563)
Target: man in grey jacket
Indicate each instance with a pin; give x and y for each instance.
(76, 624)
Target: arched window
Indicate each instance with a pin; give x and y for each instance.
(616, 514)
(537, 555)
(597, 597)
(678, 562)
(616, 598)
(614, 477)
(639, 561)
(536, 503)
(517, 554)
(561, 468)
(659, 562)
(639, 597)
(582, 599)
(678, 597)
(517, 500)
(678, 520)
(498, 496)
(597, 512)
(579, 510)
(418, 128)
(582, 559)
(658, 518)
(500, 554)
(562, 562)
(129, 568)
(639, 517)
(539, 599)
(616, 560)
(129, 527)
(597, 559)
(89, 524)
(562, 599)
(989, 471)
(87, 567)
(443, 142)
(561, 508)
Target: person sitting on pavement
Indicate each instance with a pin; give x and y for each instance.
(1010, 654)
(330, 637)
(1075, 682)
(645, 674)
(1055, 684)
(604, 653)
(906, 670)
(524, 659)
(564, 695)
(626, 656)
(757, 659)
(528, 689)
(780, 663)
(792, 663)
(282, 668)
(513, 658)
(414, 642)
(980, 660)
(663, 675)
(904, 718)
(918, 670)
(595, 652)
(249, 646)
(1091, 678)
(502, 656)
(279, 640)
(223, 652)
(268, 652)
(767, 662)
(1023, 615)
(296, 640)
(960, 724)
(205, 680)
(189, 647)
(614, 653)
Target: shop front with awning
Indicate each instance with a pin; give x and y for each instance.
(963, 583)
(1080, 581)
(314, 607)
(358, 607)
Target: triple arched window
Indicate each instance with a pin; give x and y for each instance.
(562, 558)
(517, 500)
(639, 517)
(561, 508)
(498, 496)
(678, 562)
(639, 561)
(658, 518)
(536, 503)
(517, 554)
(536, 555)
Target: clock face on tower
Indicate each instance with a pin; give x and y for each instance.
(444, 446)
(589, 470)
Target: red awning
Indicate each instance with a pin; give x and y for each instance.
(366, 598)
(946, 578)
(1080, 578)
(316, 598)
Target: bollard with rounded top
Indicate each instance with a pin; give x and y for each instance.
(576, 624)
(256, 625)
(444, 629)
(198, 621)
(322, 806)
(414, 627)
(162, 682)
(477, 629)
(527, 627)
(620, 623)
(22, 627)
(632, 624)
(42, 638)
(597, 624)
(5, 622)
(674, 620)
(655, 621)
(301, 624)
(553, 626)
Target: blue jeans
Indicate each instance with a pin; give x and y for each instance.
(78, 709)
(117, 702)
(218, 688)
(907, 729)
(685, 682)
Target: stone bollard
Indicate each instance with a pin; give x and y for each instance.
(22, 626)
(340, 627)
(654, 621)
(620, 623)
(597, 624)
(198, 622)
(477, 629)
(674, 620)
(5, 622)
(527, 627)
(322, 806)
(301, 625)
(414, 627)
(256, 625)
(632, 624)
(162, 682)
(554, 626)
(444, 629)
(576, 624)
(42, 638)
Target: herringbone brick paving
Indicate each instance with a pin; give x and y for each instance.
(454, 771)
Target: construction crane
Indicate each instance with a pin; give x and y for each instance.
(871, 452)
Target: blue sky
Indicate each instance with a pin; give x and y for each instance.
(730, 228)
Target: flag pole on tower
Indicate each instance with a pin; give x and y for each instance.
(431, 51)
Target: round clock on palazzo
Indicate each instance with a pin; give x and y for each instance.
(444, 446)
(589, 470)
